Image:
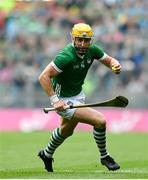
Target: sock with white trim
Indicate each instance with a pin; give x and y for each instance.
(56, 140)
(100, 139)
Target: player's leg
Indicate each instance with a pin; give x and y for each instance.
(57, 138)
(59, 135)
(98, 121)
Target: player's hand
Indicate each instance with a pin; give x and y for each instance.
(59, 105)
(116, 68)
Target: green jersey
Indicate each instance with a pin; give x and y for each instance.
(73, 69)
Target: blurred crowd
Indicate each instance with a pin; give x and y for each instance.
(33, 32)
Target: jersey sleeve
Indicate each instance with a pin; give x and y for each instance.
(98, 53)
(60, 62)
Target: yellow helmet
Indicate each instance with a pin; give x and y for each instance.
(82, 30)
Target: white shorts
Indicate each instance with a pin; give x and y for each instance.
(74, 100)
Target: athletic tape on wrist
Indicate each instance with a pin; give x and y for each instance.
(54, 99)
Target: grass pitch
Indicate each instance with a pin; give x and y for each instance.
(77, 158)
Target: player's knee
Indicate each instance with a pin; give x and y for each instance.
(101, 122)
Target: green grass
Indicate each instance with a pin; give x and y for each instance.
(77, 158)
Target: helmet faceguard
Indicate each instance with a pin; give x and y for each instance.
(80, 32)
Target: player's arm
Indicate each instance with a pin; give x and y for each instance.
(46, 83)
(112, 63)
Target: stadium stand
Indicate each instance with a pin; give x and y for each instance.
(32, 33)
